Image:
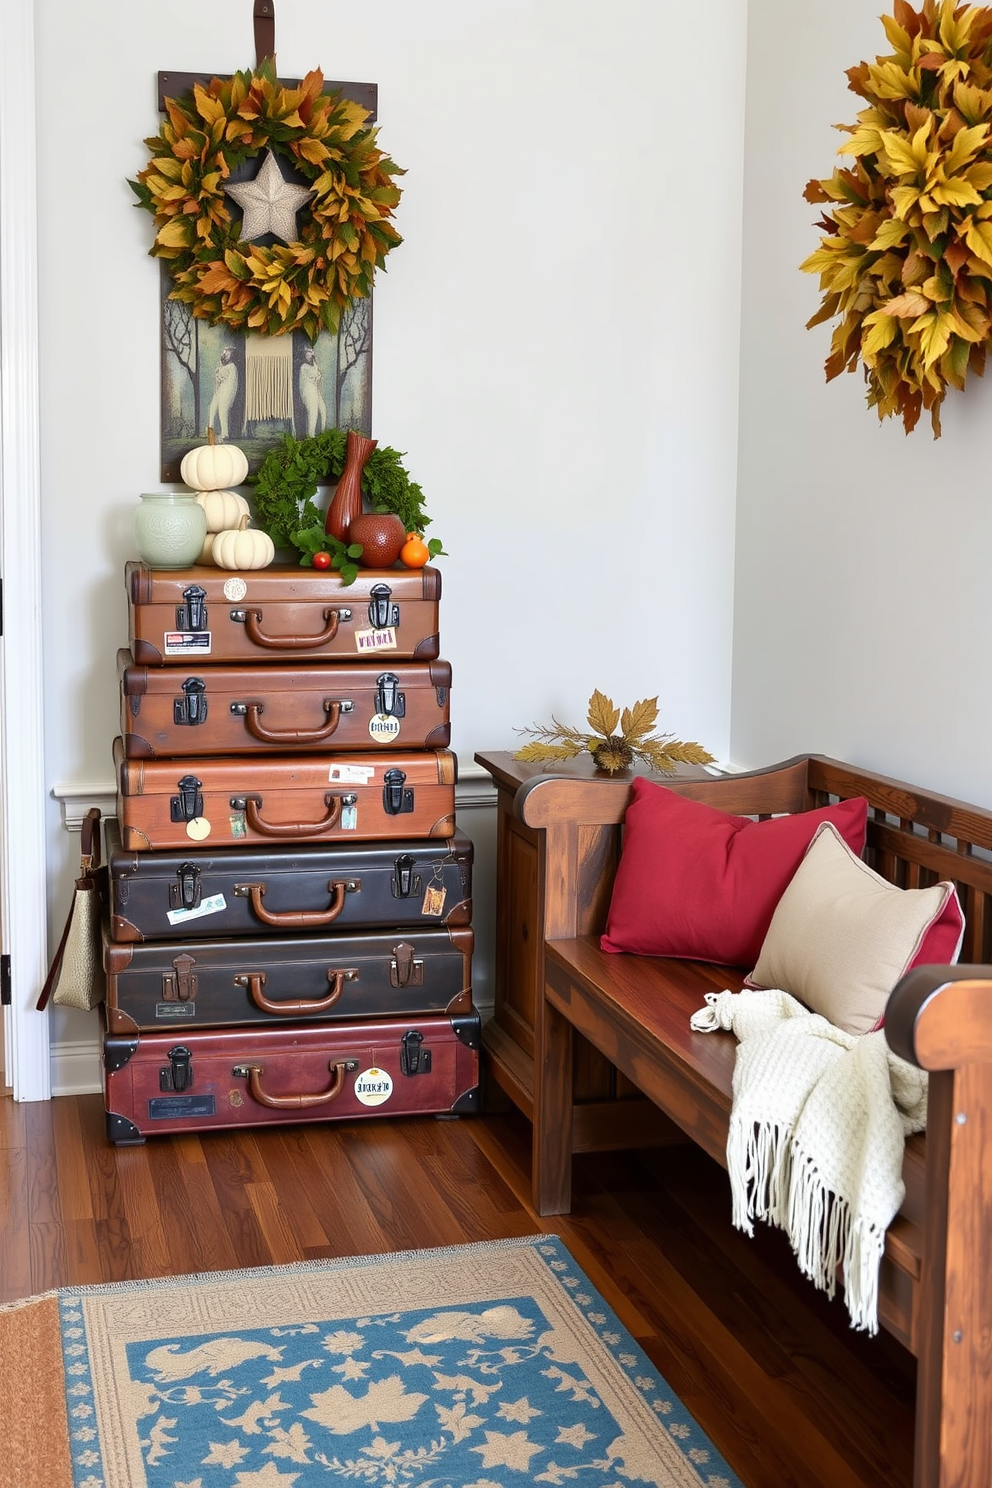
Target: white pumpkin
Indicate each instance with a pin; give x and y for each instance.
(213, 466)
(207, 551)
(242, 547)
(223, 508)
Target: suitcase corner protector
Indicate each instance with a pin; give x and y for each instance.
(123, 1132)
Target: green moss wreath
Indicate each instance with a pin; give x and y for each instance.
(907, 259)
(345, 232)
(286, 483)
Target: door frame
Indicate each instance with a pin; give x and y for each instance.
(23, 854)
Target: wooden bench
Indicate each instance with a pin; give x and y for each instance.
(935, 1285)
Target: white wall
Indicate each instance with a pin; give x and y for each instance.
(862, 619)
(555, 346)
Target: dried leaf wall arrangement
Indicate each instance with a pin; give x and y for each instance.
(613, 750)
(336, 231)
(906, 263)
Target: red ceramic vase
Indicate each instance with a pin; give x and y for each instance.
(346, 503)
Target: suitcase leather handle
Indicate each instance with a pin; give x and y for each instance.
(253, 626)
(254, 725)
(292, 829)
(294, 919)
(254, 1073)
(255, 982)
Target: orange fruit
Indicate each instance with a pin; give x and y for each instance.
(414, 552)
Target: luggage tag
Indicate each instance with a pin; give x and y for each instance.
(435, 893)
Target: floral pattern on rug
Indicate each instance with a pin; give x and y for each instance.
(462, 1396)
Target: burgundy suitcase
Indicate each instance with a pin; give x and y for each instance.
(249, 799)
(280, 613)
(204, 1080)
(223, 709)
(197, 894)
(211, 983)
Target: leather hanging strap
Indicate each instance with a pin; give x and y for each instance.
(265, 30)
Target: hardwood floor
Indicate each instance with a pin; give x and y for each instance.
(790, 1395)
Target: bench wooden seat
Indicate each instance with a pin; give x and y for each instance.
(935, 1283)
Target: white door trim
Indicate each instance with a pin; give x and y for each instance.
(23, 875)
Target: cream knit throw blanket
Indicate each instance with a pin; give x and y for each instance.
(817, 1133)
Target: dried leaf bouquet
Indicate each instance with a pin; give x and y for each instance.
(613, 750)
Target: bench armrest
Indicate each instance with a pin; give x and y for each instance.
(940, 1017)
(547, 800)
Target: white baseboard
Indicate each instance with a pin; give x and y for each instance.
(77, 1068)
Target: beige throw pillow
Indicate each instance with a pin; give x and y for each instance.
(842, 936)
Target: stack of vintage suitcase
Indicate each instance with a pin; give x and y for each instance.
(290, 934)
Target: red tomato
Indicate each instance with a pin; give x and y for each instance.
(321, 560)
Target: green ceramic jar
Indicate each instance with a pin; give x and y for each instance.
(169, 528)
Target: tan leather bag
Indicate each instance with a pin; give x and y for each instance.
(75, 977)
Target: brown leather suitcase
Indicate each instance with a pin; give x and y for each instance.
(196, 894)
(195, 616)
(211, 983)
(223, 709)
(210, 1079)
(249, 799)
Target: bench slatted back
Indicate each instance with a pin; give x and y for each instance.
(916, 839)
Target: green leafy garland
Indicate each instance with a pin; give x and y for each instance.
(286, 483)
(345, 233)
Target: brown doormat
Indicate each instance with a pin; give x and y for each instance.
(35, 1428)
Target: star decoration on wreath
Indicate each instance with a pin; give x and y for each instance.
(269, 203)
(336, 233)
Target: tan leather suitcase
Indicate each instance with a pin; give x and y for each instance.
(228, 709)
(235, 800)
(195, 616)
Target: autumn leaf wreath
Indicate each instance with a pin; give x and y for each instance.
(344, 231)
(906, 260)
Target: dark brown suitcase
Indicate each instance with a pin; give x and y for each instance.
(211, 983)
(271, 798)
(204, 1080)
(280, 613)
(222, 709)
(196, 894)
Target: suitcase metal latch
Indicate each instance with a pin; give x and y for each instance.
(178, 1073)
(404, 882)
(414, 1058)
(186, 893)
(388, 698)
(395, 799)
(191, 708)
(405, 970)
(192, 613)
(189, 802)
(381, 612)
(179, 985)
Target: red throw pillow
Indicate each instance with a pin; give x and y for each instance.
(701, 885)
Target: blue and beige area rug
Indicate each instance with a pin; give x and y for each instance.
(478, 1366)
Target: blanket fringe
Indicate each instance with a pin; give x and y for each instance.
(758, 1162)
(772, 1181)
